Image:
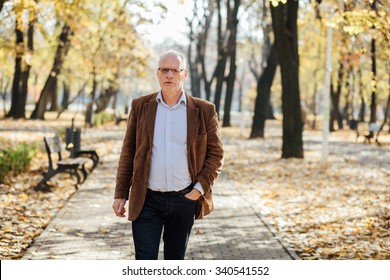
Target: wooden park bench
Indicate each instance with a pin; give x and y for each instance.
(91, 154)
(58, 164)
(368, 131)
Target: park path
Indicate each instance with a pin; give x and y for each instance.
(86, 228)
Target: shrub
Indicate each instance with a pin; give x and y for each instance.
(103, 117)
(16, 159)
(5, 165)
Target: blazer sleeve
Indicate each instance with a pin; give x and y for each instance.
(125, 166)
(214, 153)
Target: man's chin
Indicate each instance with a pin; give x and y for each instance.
(169, 88)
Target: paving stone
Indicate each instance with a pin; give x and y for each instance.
(86, 228)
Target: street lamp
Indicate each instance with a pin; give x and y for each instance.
(330, 8)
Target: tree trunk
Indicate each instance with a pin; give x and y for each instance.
(373, 84)
(269, 111)
(89, 111)
(2, 4)
(4, 83)
(335, 114)
(65, 96)
(201, 48)
(373, 69)
(54, 100)
(232, 46)
(362, 110)
(66, 105)
(21, 110)
(104, 98)
(219, 73)
(106, 95)
(284, 21)
(193, 63)
(17, 80)
(264, 84)
(387, 113)
(194, 72)
(51, 83)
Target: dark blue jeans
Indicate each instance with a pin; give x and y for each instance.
(172, 213)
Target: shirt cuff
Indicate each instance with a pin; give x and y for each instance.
(199, 187)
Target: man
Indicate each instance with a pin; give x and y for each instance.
(171, 155)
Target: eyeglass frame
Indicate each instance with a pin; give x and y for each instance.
(166, 70)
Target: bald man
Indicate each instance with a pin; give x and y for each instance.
(171, 156)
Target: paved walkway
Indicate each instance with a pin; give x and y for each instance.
(86, 227)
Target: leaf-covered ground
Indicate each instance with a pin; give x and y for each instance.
(336, 210)
(25, 213)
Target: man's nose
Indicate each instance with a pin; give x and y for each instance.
(170, 73)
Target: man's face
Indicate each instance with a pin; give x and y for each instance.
(171, 75)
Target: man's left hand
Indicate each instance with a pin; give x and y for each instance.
(193, 195)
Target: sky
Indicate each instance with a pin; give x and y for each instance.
(172, 26)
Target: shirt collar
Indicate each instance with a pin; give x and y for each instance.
(182, 99)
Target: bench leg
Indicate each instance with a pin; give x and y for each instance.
(73, 171)
(95, 160)
(77, 175)
(92, 155)
(41, 186)
(85, 173)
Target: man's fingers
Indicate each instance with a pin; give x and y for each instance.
(119, 208)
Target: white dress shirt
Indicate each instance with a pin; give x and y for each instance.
(169, 165)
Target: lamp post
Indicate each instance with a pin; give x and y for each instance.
(326, 91)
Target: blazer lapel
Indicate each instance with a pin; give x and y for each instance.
(192, 120)
(150, 115)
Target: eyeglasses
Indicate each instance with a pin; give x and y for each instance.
(174, 70)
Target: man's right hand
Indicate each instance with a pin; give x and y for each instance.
(119, 207)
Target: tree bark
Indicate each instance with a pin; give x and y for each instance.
(194, 56)
(373, 69)
(65, 96)
(22, 71)
(17, 80)
(335, 113)
(51, 83)
(219, 72)
(232, 46)
(2, 4)
(373, 84)
(264, 84)
(4, 83)
(362, 110)
(21, 110)
(89, 111)
(54, 100)
(105, 97)
(195, 76)
(201, 41)
(284, 22)
(65, 106)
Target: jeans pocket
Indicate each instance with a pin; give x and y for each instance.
(187, 199)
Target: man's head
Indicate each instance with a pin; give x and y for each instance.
(172, 72)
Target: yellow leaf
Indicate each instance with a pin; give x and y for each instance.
(274, 3)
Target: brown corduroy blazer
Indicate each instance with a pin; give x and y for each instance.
(204, 152)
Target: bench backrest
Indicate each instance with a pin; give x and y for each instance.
(53, 145)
